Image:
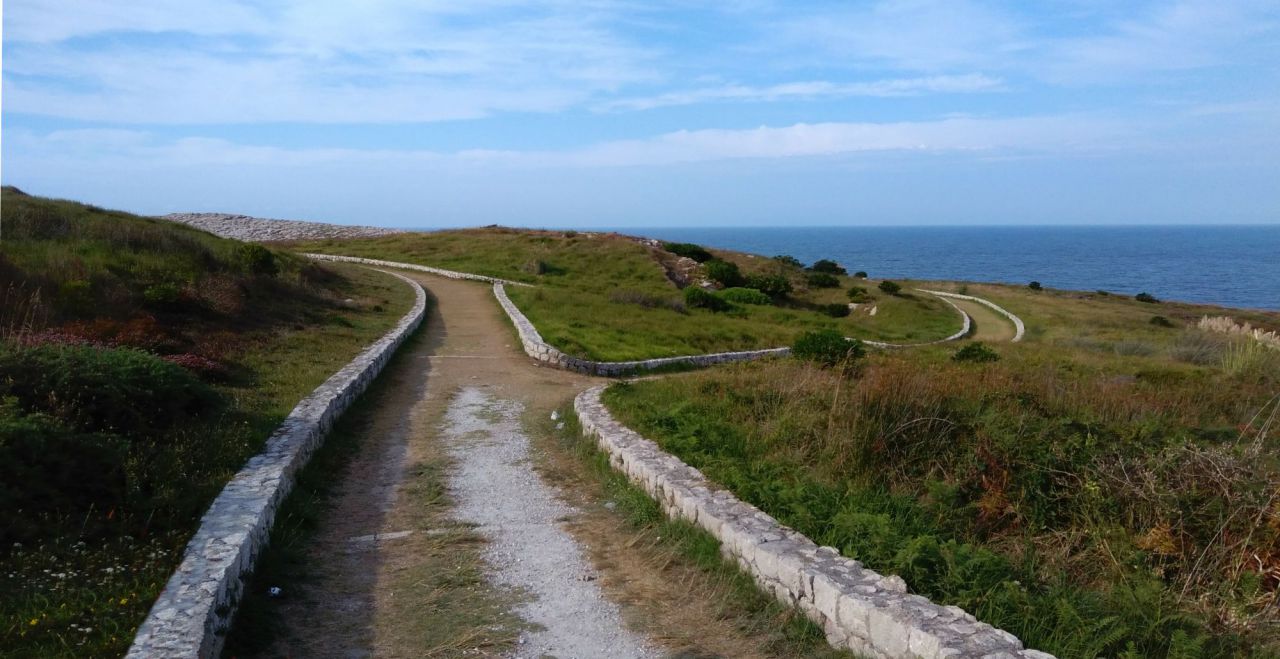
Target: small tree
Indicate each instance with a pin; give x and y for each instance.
(827, 347)
(1035, 286)
(858, 294)
(890, 287)
(861, 274)
(822, 280)
(771, 285)
(724, 273)
(828, 266)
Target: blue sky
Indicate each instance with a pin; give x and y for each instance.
(603, 113)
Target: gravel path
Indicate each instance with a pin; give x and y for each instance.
(496, 488)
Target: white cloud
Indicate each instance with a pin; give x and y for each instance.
(950, 84)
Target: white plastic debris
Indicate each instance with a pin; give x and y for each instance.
(555, 415)
(275, 591)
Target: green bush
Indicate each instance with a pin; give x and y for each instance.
(771, 285)
(822, 280)
(257, 259)
(861, 274)
(1035, 286)
(689, 250)
(121, 391)
(1146, 297)
(835, 310)
(165, 294)
(828, 266)
(788, 261)
(827, 347)
(890, 287)
(745, 296)
(858, 294)
(724, 273)
(697, 298)
(1161, 321)
(976, 352)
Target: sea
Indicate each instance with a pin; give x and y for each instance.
(1234, 266)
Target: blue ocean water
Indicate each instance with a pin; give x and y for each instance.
(1236, 266)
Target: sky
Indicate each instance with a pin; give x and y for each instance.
(603, 113)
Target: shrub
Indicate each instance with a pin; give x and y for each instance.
(861, 274)
(164, 294)
(835, 310)
(822, 280)
(890, 287)
(257, 259)
(858, 294)
(121, 391)
(828, 266)
(534, 267)
(827, 347)
(1160, 321)
(1146, 297)
(700, 299)
(771, 285)
(1035, 286)
(976, 352)
(724, 273)
(788, 260)
(689, 250)
(745, 296)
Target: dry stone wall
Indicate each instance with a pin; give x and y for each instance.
(451, 274)
(859, 609)
(193, 613)
(1018, 328)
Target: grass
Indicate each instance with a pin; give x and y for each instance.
(1090, 499)
(78, 578)
(778, 630)
(613, 298)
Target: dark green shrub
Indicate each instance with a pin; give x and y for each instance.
(822, 280)
(1035, 286)
(1161, 321)
(976, 352)
(629, 296)
(724, 273)
(698, 298)
(858, 294)
(835, 310)
(48, 470)
(534, 267)
(165, 294)
(827, 347)
(257, 259)
(828, 266)
(890, 287)
(771, 285)
(122, 391)
(861, 274)
(689, 250)
(745, 296)
(788, 260)
(1146, 297)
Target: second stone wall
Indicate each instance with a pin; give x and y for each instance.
(858, 609)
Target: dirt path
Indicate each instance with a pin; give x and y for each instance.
(987, 324)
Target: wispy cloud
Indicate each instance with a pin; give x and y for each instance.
(949, 84)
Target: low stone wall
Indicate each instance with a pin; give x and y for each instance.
(966, 325)
(542, 351)
(451, 274)
(194, 612)
(1019, 328)
(859, 609)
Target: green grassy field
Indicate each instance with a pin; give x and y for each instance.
(608, 297)
(141, 363)
(1109, 488)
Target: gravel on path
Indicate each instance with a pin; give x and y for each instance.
(497, 489)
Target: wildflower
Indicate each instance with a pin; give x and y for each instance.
(34, 622)
(124, 600)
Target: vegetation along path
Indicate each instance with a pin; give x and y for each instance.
(441, 538)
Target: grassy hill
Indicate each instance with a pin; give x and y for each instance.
(141, 363)
(613, 297)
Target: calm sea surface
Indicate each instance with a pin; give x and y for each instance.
(1236, 266)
